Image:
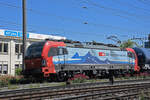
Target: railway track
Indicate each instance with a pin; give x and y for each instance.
(122, 92)
(82, 91)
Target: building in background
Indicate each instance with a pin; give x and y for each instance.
(147, 44)
(11, 48)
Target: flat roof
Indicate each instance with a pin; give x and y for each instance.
(18, 34)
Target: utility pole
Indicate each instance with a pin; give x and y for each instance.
(24, 33)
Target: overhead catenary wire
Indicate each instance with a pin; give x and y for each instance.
(73, 19)
(117, 11)
(132, 5)
(82, 34)
(98, 5)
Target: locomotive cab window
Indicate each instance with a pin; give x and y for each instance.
(35, 50)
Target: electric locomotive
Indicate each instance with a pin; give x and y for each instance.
(59, 60)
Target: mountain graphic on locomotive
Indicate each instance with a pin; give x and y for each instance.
(60, 61)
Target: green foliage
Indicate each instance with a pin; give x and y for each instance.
(7, 80)
(34, 85)
(14, 81)
(4, 80)
(31, 86)
(128, 44)
(142, 96)
(78, 80)
(12, 86)
(18, 71)
(23, 81)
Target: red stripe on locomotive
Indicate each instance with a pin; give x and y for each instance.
(136, 67)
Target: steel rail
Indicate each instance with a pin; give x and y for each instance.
(57, 90)
(72, 91)
(54, 93)
(69, 86)
(110, 95)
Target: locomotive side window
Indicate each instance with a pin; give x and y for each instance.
(62, 51)
(53, 52)
(65, 51)
(57, 51)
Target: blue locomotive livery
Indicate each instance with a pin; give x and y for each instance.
(93, 56)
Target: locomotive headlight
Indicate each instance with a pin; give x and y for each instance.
(43, 63)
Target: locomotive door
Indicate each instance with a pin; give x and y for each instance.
(62, 57)
(131, 58)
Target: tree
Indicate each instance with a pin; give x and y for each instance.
(128, 44)
(18, 71)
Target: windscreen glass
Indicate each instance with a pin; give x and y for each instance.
(35, 50)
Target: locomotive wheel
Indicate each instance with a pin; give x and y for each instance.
(61, 76)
